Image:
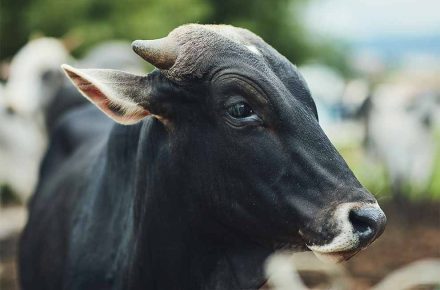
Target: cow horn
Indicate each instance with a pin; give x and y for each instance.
(162, 53)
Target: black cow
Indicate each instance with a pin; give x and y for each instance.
(224, 163)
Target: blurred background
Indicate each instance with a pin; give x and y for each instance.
(373, 68)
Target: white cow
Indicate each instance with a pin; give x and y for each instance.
(34, 78)
(326, 87)
(401, 135)
(35, 75)
(36, 92)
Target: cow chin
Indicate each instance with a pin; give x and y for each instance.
(342, 248)
(334, 252)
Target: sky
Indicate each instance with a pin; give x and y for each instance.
(392, 31)
(365, 19)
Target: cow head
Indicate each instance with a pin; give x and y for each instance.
(32, 80)
(258, 161)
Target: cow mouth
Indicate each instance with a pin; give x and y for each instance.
(335, 257)
(332, 257)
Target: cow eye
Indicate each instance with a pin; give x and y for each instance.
(238, 113)
(240, 110)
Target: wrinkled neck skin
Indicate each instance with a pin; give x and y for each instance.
(169, 248)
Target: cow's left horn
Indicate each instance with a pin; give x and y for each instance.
(162, 53)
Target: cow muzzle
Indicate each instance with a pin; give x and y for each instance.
(359, 225)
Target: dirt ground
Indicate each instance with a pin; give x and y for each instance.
(412, 233)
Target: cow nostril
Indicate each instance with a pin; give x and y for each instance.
(368, 223)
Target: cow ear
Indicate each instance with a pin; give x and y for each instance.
(120, 95)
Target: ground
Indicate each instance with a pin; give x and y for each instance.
(412, 233)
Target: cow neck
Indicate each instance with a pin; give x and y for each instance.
(169, 250)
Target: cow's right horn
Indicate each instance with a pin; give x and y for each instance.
(162, 53)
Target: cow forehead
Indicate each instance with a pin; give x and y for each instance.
(223, 36)
(200, 45)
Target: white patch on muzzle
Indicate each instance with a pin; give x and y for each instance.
(347, 240)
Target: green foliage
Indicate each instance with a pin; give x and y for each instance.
(371, 174)
(333, 53)
(13, 32)
(434, 186)
(275, 21)
(98, 20)
(92, 21)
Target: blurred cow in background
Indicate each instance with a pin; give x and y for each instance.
(34, 78)
(329, 89)
(2, 98)
(400, 118)
(112, 54)
(400, 131)
(35, 95)
(327, 86)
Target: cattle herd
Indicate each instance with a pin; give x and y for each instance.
(190, 176)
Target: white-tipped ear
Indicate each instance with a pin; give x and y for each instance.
(118, 94)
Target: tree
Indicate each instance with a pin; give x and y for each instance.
(275, 21)
(98, 20)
